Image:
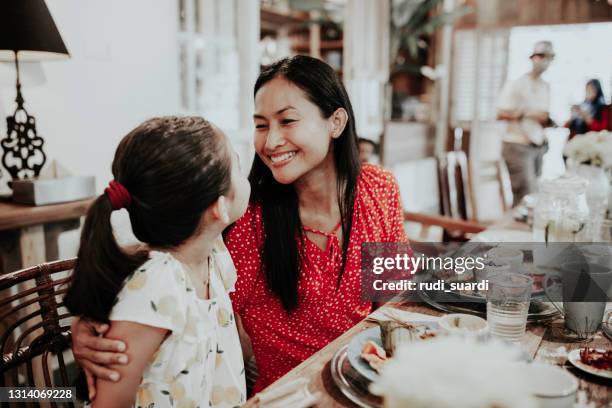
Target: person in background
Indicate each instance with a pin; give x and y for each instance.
(592, 114)
(524, 105)
(367, 149)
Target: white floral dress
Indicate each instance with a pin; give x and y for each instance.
(200, 363)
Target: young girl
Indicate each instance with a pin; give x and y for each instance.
(179, 179)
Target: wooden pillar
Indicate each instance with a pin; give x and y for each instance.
(315, 35)
(444, 83)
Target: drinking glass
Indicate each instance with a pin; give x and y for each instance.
(512, 256)
(601, 230)
(508, 300)
(493, 267)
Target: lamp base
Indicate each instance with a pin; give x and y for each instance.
(23, 155)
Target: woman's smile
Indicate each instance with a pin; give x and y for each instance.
(282, 158)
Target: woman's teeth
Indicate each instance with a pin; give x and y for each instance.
(282, 157)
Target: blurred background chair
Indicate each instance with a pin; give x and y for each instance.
(496, 171)
(35, 327)
(456, 209)
(457, 212)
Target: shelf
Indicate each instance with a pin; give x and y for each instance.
(324, 45)
(272, 20)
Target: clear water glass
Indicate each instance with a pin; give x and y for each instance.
(512, 256)
(508, 301)
(491, 268)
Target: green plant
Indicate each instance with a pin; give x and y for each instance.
(412, 20)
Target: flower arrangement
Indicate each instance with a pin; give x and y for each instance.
(592, 148)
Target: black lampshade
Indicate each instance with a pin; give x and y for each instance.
(26, 26)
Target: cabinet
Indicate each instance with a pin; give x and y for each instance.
(285, 33)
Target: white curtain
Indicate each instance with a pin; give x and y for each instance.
(366, 62)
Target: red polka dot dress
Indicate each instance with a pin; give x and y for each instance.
(282, 340)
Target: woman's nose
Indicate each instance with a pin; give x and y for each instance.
(274, 139)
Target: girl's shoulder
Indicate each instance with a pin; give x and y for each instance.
(160, 274)
(163, 263)
(154, 294)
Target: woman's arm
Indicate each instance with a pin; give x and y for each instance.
(245, 340)
(588, 119)
(604, 120)
(95, 353)
(142, 342)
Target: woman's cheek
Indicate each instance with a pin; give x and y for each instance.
(259, 140)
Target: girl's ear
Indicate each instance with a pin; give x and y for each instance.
(338, 122)
(220, 210)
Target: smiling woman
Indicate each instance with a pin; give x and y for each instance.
(297, 249)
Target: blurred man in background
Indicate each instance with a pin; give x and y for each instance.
(524, 104)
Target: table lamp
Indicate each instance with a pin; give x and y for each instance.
(27, 33)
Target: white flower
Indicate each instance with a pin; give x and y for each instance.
(592, 147)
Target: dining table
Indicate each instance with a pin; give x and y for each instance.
(540, 341)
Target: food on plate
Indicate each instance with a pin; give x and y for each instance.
(374, 355)
(427, 334)
(601, 360)
(393, 333)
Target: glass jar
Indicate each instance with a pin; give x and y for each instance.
(561, 213)
(598, 190)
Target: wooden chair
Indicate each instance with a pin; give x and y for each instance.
(497, 171)
(454, 186)
(35, 328)
(456, 210)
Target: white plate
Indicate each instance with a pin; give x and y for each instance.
(354, 352)
(574, 358)
(356, 345)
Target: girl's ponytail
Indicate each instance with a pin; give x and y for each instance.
(167, 172)
(102, 265)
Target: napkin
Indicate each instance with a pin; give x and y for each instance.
(293, 394)
(389, 313)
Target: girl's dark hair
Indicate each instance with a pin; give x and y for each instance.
(174, 169)
(279, 202)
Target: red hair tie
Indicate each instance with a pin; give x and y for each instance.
(118, 195)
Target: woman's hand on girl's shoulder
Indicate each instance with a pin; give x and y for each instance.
(94, 352)
(141, 341)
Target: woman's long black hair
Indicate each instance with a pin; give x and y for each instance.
(279, 202)
(174, 168)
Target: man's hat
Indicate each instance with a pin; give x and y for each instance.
(543, 48)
